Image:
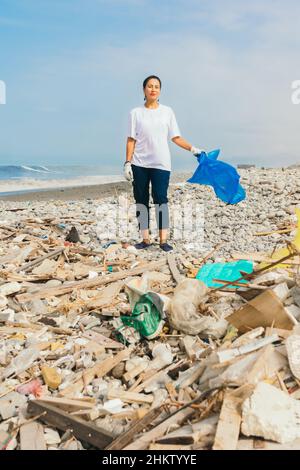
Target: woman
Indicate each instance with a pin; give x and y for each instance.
(148, 159)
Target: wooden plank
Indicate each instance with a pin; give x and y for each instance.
(154, 375)
(106, 296)
(196, 374)
(100, 369)
(229, 354)
(169, 447)
(281, 333)
(130, 397)
(82, 430)
(68, 404)
(88, 415)
(228, 428)
(264, 310)
(30, 264)
(103, 340)
(32, 437)
(159, 430)
(124, 439)
(131, 414)
(173, 268)
(191, 433)
(94, 348)
(88, 284)
(135, 371)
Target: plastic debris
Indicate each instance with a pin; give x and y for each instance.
(220, 175)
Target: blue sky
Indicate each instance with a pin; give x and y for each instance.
(74, 68)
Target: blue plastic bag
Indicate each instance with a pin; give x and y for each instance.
(220, 175)
(224, 271)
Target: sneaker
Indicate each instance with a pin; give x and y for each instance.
(165, 247)
(142, 245)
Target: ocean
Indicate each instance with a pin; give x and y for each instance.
(21, 178)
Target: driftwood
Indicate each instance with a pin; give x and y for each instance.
(56, 291)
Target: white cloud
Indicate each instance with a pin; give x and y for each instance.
(225, 95)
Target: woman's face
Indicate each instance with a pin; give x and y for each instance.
(152, 89)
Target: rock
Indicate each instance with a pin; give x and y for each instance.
(292, 345)
(118, 371)
(294, 310)
(48, 266)
(51, 436)
(7, 315)
(15, 398)
(21, 362)
(282, 291)
(73, 236)
(3, 301)
(271, 414)
(10, 288)
(295, 292)
(113, 406)
(53, 283)
(51, 377)
(7, 410)
(162, 356)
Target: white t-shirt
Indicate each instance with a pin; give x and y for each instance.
(152, 128)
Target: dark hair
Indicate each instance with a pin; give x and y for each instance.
(149, 78)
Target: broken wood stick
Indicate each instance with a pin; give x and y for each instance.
(130, 375)
(228, 428)
(100, 369)
(129, 397)
(173, 268)
(30, 264)
(67, 404)
(82, 430)
(125, 439)
(86, 284)
(229, 354)
(178, 417)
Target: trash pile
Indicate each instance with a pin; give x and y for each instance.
(110, 348)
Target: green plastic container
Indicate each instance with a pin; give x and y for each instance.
(146, 317)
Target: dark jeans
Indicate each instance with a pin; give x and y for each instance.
(159, 182)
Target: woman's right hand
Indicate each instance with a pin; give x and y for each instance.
(128, 171)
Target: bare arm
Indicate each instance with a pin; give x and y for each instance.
(181, 142)
(130, 148)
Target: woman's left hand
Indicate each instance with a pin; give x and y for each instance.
(195, 151)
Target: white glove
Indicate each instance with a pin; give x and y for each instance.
(128, 171)
(195, 151)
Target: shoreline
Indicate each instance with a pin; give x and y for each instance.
(78, 192)
(94, 191)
